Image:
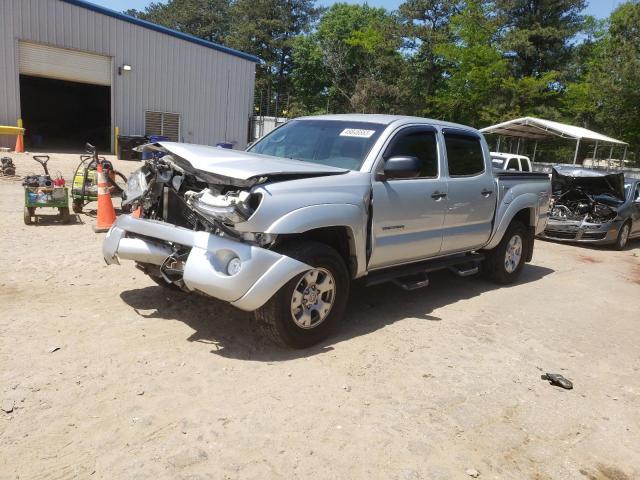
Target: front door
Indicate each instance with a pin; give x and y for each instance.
(471, 193)
(408, 213)
(635, 210)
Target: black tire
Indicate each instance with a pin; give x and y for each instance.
(275, 318)
(494, 267)
(77, 205)
(27, 216)
(65, 217)
(622, 239)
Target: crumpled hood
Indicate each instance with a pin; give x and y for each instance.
(233, 167)
(591, 182)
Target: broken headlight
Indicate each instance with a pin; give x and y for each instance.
(230, 208)
(136, 186)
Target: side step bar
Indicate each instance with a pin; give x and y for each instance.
(414, 275)
(412, 282)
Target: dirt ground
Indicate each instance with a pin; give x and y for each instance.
(108, 376)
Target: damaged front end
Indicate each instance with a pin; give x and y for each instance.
(182, 232)
(585, 206)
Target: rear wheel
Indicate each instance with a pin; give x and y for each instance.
(64, 214)
(623, 236)
(308, 308)
(504, 263)
(28, 213)
(77, 205)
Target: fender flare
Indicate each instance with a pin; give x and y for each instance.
(326, 215)
(507, 212)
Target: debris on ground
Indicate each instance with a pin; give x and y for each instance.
(557, 380)
(472, 472)
(7, 405)
(54, 349)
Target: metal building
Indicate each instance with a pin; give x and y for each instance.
(75, 72)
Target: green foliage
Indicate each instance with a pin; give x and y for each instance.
(475, 62)
(354, 53)
(476, 68)
(268, 28)
(538, 32)
(208, 19)
(606, 95)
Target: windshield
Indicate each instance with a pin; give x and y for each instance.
(336, 143)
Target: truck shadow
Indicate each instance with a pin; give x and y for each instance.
(234, 334)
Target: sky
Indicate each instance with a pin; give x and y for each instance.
(597, 8)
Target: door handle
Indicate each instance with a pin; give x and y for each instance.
(486, 192)
(437, 195)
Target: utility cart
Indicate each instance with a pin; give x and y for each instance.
(41, 191)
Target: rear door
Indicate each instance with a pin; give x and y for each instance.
(408, 213)
(471, 192)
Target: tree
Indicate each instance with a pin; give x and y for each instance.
(476, 70)
(268, 29)
(425, 24)
(207, 19)
(538, 33)
(354, 54)
(607, 96)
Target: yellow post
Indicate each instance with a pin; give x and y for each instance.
(116, 132)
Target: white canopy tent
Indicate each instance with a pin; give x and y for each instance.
(540, 129)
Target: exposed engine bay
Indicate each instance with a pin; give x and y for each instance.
(585, 196)
(164, 190)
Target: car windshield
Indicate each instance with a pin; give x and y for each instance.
(336, 143)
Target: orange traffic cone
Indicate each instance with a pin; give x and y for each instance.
(106, 212)
(19, 144)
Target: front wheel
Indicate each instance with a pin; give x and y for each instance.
(28, 213)
(308, 308)
(623, 236)
(504, 263)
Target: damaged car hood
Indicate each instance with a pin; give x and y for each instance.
(239, 168)
(589, 181)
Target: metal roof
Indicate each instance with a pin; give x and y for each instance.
(538, 129)
(158, 28)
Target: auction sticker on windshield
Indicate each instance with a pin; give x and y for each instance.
(357, 132)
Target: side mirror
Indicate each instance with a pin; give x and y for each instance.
(400, 167)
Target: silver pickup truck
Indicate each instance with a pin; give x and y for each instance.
(283, 228)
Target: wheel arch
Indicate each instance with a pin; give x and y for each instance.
(341, 226)
(523, 208)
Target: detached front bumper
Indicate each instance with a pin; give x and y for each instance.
(581, 232)
(262, 272)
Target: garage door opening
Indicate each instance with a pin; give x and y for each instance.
(64, 115)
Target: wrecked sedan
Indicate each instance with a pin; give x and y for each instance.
(593, 207)
(283, 228)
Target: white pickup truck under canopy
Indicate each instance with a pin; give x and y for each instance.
(540, 129)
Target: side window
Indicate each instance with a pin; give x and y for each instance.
(525, 165)
(512, 164)
(636, 197)
(420, 144)
(464, 155)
